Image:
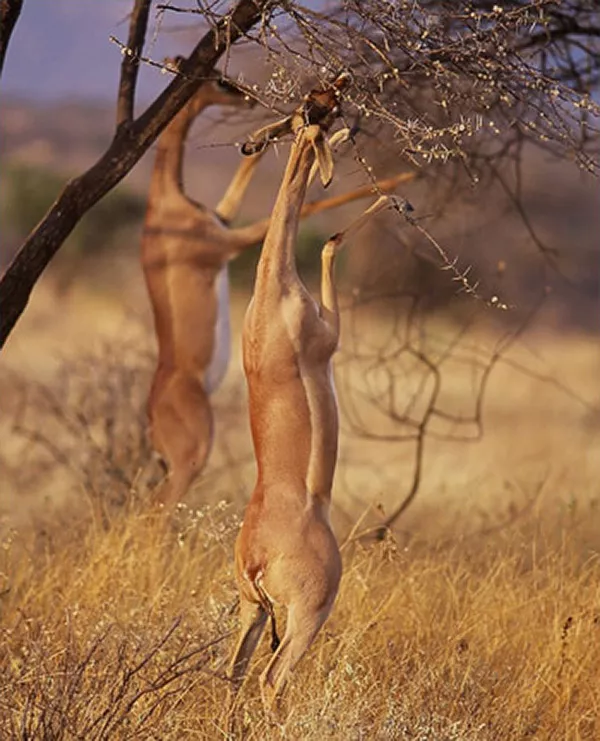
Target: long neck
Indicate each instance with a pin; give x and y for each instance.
(280, 241)
(167, 175)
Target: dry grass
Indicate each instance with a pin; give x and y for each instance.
(479, 620)
(122, 634)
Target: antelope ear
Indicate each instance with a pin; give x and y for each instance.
(340, 137)
(335, 140)
(324, 158)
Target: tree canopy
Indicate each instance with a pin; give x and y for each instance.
(466, 83)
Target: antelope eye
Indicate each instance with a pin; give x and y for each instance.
(227, 86)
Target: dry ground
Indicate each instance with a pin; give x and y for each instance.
(477, 619)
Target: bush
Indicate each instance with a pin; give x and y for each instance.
(29, 191)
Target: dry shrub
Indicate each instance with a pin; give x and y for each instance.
(127, 634)
(103, 634)
(83, 435)
(86, 431)
(116, 682)
(475, 627)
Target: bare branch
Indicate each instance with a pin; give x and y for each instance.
(138, 25)
(9, 14)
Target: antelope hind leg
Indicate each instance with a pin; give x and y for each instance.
(253, 618)
(182, 430)
(303, 624)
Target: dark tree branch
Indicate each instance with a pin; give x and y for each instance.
(9, 14)
(138, 25)
(127, 147)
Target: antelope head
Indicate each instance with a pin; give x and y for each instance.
(317, 113)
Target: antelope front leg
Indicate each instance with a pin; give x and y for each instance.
(229, 206)
(329, 303)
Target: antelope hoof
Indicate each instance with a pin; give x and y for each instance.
(268, 697)
(275, 641)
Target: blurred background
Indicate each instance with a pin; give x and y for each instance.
(447, 402)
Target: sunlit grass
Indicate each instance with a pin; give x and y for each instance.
(126, 633)
(477, 620)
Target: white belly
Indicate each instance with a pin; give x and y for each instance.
(215, 373)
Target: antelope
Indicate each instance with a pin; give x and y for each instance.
(286, 552)
(185, 250)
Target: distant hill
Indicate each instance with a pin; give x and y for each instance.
(69, 136)
(61, 136)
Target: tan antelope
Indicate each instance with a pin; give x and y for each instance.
(286, 552)
(185, 250)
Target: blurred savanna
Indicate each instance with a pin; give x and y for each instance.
(465, 502)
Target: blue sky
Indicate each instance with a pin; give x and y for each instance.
(61, 49)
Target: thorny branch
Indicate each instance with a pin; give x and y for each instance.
(457, 87)
(439, 75)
